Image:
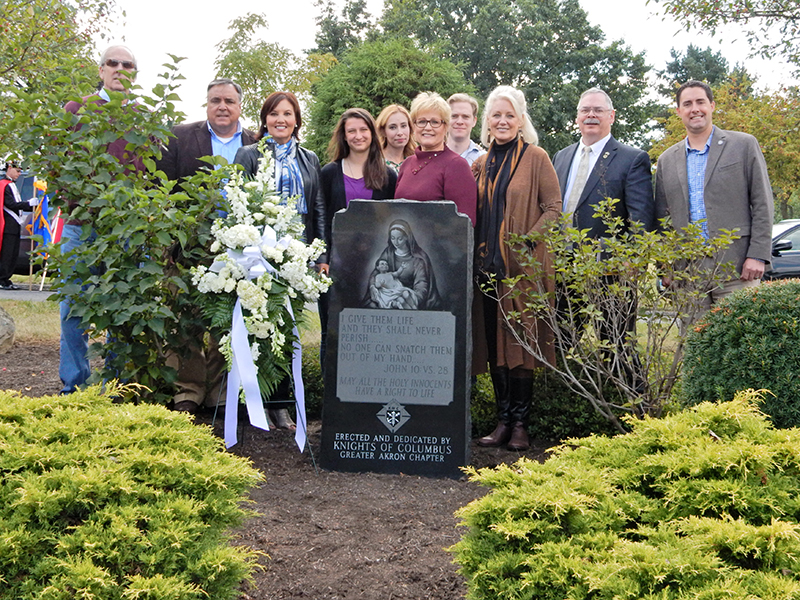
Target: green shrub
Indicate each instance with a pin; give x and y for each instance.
(313, 381)
(701, 504)
(115, 501)
(751, 339)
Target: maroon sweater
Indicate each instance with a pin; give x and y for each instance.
(440, 175)
(115, 148)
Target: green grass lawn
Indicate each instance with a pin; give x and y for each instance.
(39, 321)
(35, 321)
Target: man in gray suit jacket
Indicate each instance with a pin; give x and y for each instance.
(200, 371)
(718, 179)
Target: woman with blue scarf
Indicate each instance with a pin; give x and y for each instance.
(297, 173)
(297, 170)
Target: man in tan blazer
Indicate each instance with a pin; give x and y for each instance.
(718, 179)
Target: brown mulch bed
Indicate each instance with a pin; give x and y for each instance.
(325, 535)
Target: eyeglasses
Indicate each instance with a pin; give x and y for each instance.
(128, 65)
(598, 110)
(423, 123)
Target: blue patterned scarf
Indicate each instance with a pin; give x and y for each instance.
(289, 180)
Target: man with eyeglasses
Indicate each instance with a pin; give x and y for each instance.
(220, 134)
(589, 171)
(117, 69)
(599, 167)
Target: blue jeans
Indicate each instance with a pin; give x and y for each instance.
(73, 365)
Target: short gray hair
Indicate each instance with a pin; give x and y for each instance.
(597, 90)
(104, 55)
(226, 81)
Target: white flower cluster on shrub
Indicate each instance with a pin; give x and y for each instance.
(261, 259)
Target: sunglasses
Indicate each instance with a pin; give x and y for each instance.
(128, 65)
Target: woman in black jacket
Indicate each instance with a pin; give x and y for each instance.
(297, 170)
(297, 174)
(357, 171)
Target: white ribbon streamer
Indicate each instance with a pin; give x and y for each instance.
(243, 372)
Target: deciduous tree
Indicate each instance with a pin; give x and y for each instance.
(337, 33)
(262, 67)
(544, 47)
(47, 46)
(704, 65)
(771, 27)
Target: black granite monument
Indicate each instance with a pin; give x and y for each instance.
(399, 339)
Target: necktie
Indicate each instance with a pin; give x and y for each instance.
(580, 181)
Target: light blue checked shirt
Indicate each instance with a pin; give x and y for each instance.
(225, 147)
(696, 161)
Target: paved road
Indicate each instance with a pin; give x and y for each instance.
(24, 294)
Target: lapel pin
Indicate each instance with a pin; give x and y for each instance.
(605, 154)
(719, 143)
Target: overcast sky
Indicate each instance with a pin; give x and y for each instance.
(155, 28)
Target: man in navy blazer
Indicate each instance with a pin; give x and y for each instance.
(614, 170)
(199, 379)
(596, 168)
(718, 179)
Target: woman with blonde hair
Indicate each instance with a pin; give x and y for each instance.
(518, 193)
(435, 172)
(394, 131)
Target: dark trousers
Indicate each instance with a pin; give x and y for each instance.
(8, 256)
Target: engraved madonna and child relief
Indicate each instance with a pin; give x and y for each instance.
(403, 276)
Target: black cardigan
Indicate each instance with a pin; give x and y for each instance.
(315, 220)
(334, 194)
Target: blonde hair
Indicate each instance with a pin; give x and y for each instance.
(432, 101)
(465, 98)
(383, 119)
(517, 100)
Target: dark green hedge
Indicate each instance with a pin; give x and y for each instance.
(751, 339)
(704, 504)
(116, 501)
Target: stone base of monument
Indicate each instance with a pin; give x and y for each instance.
(399, 340)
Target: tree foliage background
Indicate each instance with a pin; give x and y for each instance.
(262, 67)
(47, 46)
(546, 48)
(771, 27)
(373, 75)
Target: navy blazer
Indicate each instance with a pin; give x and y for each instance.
(181, 157)
(621, 172)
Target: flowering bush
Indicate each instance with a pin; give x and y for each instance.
(262, 263)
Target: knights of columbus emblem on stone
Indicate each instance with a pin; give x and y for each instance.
(393, 415)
